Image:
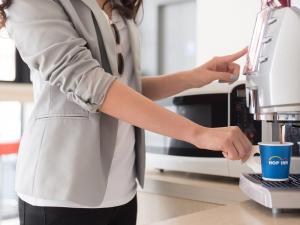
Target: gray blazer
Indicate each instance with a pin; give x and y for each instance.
(68, 145)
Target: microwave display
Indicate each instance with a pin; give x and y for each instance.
(256, 42)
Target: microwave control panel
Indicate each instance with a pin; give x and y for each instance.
(240, 116)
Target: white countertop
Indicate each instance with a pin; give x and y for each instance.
(237, 209)
(204, 188)
(245, 213)
(16, 92)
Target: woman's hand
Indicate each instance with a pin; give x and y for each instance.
(230, 140)
(219, 68)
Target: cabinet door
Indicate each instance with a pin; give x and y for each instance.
(168, 36)
(177, 36)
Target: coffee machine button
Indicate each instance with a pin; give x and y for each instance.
(263, 59)
(267, 40)
(272, 20)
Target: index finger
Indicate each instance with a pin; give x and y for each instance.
(235, 56)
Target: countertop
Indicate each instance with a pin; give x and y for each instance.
(16, 92)
(244, 213)
(203, 188)
(235, 209)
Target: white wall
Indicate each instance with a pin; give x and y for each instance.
(224, 27)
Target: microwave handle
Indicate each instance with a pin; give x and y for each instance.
(247, 98)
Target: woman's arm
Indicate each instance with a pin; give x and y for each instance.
(219, 68)
(140, 111)
(48, 42)
(63, 60)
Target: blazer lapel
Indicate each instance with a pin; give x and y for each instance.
(109, 39)
(107, 34)
(135, 45)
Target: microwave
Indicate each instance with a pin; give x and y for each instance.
(217, 105)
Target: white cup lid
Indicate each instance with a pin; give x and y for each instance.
(275, 144)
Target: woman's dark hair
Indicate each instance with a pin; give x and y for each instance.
(126, 8)
(5, 4)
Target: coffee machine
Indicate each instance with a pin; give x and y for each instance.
(273, 92)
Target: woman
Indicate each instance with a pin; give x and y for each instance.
(83, 147)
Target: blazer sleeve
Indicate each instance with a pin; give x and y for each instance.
(48, 42)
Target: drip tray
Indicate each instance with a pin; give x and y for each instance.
(292, 183)
(272, 194)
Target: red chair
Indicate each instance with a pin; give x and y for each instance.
(9, 148)
(6, 149)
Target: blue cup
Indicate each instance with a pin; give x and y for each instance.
(275, 161)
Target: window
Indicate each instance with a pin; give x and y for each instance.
(12, 67)
(10, 131)
(7, 57)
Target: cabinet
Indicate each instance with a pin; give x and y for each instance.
(168, 36)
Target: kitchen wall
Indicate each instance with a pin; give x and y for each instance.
(220, 27)
(224, 26)
(168, 35)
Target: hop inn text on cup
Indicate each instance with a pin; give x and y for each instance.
(277, 160)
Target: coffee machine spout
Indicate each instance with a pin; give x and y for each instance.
(253, 101)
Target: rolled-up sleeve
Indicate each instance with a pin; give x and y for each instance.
(48, 43)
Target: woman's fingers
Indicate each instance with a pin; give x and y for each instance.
(234, 68)
(237, 146)
(240, 148)
(243, 146)
(247, 145)
(227, 72)
(231, 141)
(225, 154)
(231, 151)
(219, 61)
(224, 69)
(226, 76)
(233, 57)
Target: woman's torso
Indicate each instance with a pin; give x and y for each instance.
(66, 151)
